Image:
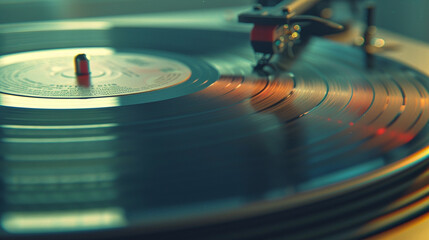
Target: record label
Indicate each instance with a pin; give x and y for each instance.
(52, 74)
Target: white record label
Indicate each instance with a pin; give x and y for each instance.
(51, 74)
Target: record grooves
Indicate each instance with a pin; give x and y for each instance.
(214, 152)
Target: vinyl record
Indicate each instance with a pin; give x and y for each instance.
(175, 137)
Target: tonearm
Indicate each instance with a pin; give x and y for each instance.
(277, 27)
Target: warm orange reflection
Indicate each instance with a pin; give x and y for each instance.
(415, 201)
(414, 229)
(385, 117)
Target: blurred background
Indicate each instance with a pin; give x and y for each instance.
(31, 10)
(406, 17)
